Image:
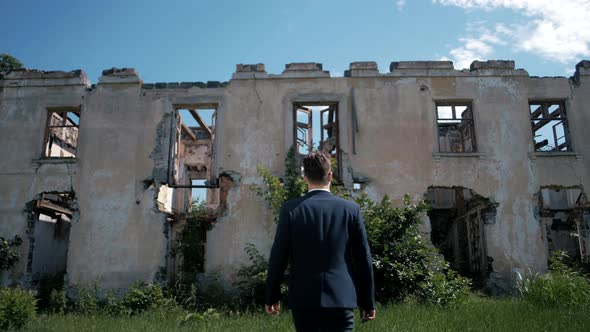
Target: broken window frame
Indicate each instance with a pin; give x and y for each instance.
(470, 125)
(575, 218)
(63, 113)
(194, 111)
(181, 129)
(332, 126)
(547, 117)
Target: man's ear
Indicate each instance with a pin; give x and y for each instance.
(330, 176)
(305, 179)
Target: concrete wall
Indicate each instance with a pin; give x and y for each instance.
(124, 153)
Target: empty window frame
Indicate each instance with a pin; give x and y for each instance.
(549, 126)
(456, 130)
(315, 128)
(61, 133)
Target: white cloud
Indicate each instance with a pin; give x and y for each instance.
(556, 30)
(400, 4)
(475, 48)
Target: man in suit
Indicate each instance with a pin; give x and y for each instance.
(324, 239)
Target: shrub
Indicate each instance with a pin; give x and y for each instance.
(58, 301)
(556, 288)
(189, 245)
(47, 286)
(562, 285)
(443, 286)
(275, 190)
(403, 265)
(8, 254)
(86, 300)
(251, 279)
(17, 307)
(111, 305)
(141, 297)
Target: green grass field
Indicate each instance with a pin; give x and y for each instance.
(479, 314)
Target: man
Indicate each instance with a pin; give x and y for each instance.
(324, 239)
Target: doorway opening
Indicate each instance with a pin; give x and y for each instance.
(458, 217)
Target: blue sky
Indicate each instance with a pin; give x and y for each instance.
(176, 41)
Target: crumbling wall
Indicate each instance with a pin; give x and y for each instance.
(121, 234)
(25, 96)
(388, 141)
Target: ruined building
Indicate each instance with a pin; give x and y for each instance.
(96, 178)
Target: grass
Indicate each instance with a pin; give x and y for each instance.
(478, 314)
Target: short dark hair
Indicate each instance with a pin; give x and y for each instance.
(316, 167)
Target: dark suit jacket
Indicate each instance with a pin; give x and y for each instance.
(319, 234)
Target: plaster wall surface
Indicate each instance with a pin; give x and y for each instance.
(127, 131)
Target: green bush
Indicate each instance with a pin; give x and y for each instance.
(563, 285)
(442, 285)
(8, 254)
(48, 285)
(86, 300)
(556, 288)
(275, 190)
(58, 301)
(141, 297)
(251, 279)
(111, 306)
(17, 307)
(403, 265)
(189, 245)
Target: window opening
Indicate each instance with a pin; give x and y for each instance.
(316, 129)
(565, 214)
(549, 126)
(61, 134)
(456, 131)
(198, 123)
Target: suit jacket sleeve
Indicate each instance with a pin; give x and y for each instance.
(279, 258)
(364, 283)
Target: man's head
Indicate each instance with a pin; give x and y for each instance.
(317, 169)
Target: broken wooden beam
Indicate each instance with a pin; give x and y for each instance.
(205, 128)
(189, 132)
(44, 204)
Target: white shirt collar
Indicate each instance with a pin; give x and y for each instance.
(319, 189)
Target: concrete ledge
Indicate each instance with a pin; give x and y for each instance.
(362, 69)
(250, 71)
(492, 64)
(535, 155)
(119, 76)
(247, 68)
(438, 155)
(33, 77)
(304, 69)
(421, 65)
(303, 66)
(54, 161)
(582, 69)
(184, 85)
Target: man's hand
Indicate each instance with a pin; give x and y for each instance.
(273, 309)
(368, 315)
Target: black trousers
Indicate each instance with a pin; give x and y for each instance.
(323, 319)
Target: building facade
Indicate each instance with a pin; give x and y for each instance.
(97, 179)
